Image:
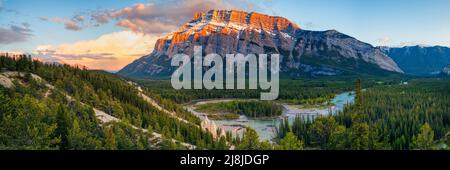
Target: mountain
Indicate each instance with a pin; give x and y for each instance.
(302, 52)
(446, 69)
(420, 60)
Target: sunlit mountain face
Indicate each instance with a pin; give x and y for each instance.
(303, 52)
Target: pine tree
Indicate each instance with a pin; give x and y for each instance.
(359, 136)
(424, 140)
(323, 129)
(359, 97)
(250, 140)
(290, 142)
(110, 143)
(76, 136)
(63, 126)
(222, 144)
(25, 124)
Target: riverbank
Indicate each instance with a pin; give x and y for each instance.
(266, 128)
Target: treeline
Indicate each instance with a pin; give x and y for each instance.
(399, 117)
(98, 89)
(250, 108)
(293, 91)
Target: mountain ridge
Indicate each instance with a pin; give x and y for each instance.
(419, 60)
(303, 52)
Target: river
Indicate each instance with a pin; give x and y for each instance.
(266, 128)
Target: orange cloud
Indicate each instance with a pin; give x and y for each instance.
(167, 16)
(151, 17)
(108, 52)
(68, 24)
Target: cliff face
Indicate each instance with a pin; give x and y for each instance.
(226, 32)
(229, 32)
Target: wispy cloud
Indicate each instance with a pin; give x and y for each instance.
(152, 17)
(168, 16)
(15, 33)
(308, 25)
(143, 22)
(71, 24)
(412, 43)
(7, 10)
(108, 52)
(54, 55)
(383, 41)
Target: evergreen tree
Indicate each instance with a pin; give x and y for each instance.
(359, 136)
(322, 129)
(222, 144)
(424, 140)
(76, 136)
(25, 124)
(359, 97)
(110, 143)
(290, 142)
(63, 126)
(250, 140)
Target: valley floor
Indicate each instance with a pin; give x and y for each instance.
(70, 108)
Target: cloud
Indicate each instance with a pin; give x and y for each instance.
(53, 55)
(413, 43)
(142, 26)
(71, 24)
(167, 16)
(383, 41)
(308, 25)
(7, 10)
(51, 19)
(15, 33)
(143, 23)
(79, 18)
(108, 52)
(153, 17)
(100, 19)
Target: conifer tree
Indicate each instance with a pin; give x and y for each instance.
(424, 140)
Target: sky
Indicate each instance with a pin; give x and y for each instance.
(109, 34)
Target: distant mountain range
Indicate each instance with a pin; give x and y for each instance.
(446, 70)
(303, 52)
(420, 60)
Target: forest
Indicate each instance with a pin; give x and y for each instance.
(249, 108)
(30, 118)
(386, 115)
(396, 117)
(295, 91)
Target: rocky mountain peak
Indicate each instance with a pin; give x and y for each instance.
(229, 22)
(198, 16)
(231, 32)
(244, 19)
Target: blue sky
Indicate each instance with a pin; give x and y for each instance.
(401, 21)
(28, 25)
(30, 11)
